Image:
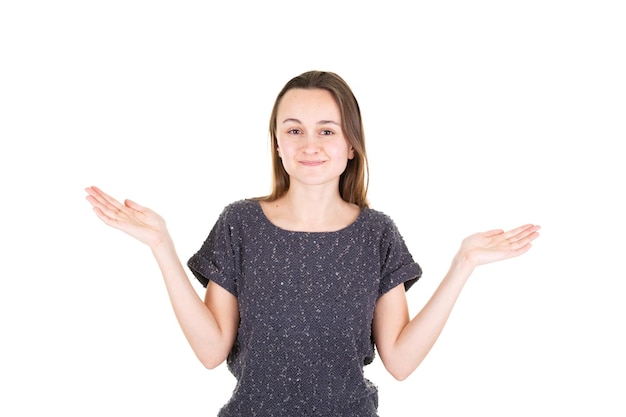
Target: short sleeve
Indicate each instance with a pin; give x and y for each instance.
(397, 264)
(216, 259)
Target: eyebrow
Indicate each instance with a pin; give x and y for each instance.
(321, 122)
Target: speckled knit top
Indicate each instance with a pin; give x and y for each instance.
(306, 303)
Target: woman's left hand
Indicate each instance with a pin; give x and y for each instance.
(496, 245)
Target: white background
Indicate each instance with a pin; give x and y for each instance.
(478, 115)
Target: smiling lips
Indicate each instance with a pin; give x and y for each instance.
(311, 163)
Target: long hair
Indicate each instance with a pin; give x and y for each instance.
(353, 182)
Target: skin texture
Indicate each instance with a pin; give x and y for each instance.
(311, 144)
(210, 326)
(314, 153)
(402, 343)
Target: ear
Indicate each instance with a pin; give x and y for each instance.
(278, 152)
(351, 153)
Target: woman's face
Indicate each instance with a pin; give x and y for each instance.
(310, 140)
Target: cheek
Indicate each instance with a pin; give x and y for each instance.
(344, 151)
(280, 146)
(285, 148)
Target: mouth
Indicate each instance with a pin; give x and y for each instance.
(311, 163)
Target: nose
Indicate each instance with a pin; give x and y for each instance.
(310, 145)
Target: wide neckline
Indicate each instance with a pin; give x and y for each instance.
(302, 232)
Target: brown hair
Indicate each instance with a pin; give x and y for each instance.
(353, 182)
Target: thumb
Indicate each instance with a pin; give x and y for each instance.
(493, 232)
(132, 205)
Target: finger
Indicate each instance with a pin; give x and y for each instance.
(98, 196)
(101, 204)
(105, 198)
(134, 206)
(522, 250)
(522, 244)
(521, 231)
(106, 219)
(105, 213)
(525, 240)
(107, 204)
(530, 232)
(106, 208)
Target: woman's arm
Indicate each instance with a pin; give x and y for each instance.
(403, 343)
(209, 326)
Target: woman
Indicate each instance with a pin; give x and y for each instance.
(303, 285)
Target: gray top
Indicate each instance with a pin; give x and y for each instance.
(306, 302)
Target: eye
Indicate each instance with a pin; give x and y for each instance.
(327, 132)
(294, 131)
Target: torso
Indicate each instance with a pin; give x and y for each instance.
(306, 302)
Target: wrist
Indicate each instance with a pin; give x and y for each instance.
(462, 263)
(161, 242)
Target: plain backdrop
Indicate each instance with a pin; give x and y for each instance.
(478, 115)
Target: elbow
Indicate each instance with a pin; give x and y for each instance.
(395, 367)
(400, 374)
(212, 360)
(210, 363)
(400, 370)
(400, 377)
(401, 363)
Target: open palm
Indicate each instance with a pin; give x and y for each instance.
(497, 245)
(137, 221)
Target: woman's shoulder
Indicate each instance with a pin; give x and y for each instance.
(381, 223)
(375, 216)
(242, 207)
(242, 204)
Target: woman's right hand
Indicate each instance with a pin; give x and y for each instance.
(137, 221)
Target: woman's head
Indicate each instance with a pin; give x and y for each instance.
(353, 181)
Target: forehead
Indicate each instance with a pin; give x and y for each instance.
(312, 102)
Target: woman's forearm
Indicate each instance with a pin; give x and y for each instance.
(196, 320)
(210, 330)
(403, 342)
(420, 334)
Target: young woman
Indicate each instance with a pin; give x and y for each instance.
(303, 285)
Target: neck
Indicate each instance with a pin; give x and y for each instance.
(312, 207)
(310, 211)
